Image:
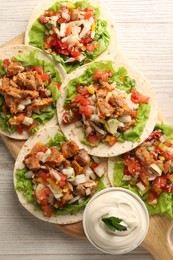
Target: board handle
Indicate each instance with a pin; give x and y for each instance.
(158, 240)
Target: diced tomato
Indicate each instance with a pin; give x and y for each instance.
(6, 62)
(88, 14)
(45, 77)
(42, 93)
(75, 54)
(49, 13)
(37, 68)
(111, 140)
(94, 165)
(138, 98)
(64, 52)
(69, 118)
(159, 182)
(62, 182)
(20, 117)
(83, 90)
(47, 210)
(85, 41)
(166, 167)
(133, 165)
(152, 198)
(43, 20)
(92, 46)
(93, 139)
(61, 44)
(58, 85)
(78, 98)
(154, 135)
(133, 113)
(61, 20)
(69, 29)
(43, 175)
(168, 188)
(85, 102)
(103, 75)
(85, 110)
(19, 129)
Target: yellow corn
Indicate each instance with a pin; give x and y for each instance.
(65, 189)
(144, 191)
(83, 48)
(91, 90)
(162, 147)
(161, 158)
(70, 5)
(171, 178)
(39, 179)
(93, 27)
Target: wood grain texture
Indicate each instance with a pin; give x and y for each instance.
(145, 32)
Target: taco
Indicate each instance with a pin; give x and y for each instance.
(54, 179)
(29, 88)
(107, 108)
(148, 170)
(72, 32)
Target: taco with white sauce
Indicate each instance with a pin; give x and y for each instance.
(72, 32)
(54, 178)
(107, 108)
(29, 88)
(148, 170)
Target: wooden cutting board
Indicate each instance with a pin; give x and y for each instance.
(157, 241)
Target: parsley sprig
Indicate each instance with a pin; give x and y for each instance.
(113, 223)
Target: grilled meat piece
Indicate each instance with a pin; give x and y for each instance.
(14, 68)
(77, 167)
(69, 149)
(32, 161)
(55, 158)
(105, 108)
(144, 156)
(120, 105)
(127, 125)
(30, 80)
(82, 158)
(87, 188)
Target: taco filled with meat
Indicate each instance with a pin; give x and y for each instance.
(107, 108)
(72, 32)
(29, 88)
(54, 178)
(148, 170)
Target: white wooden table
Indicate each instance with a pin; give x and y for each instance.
(146, 36)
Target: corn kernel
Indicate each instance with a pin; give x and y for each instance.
(162, 147)
(70, 5)
(91, 90)
(93, 27)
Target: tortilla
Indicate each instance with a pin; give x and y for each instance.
(28, 54)
(37, 31)
(161, 178)
(44, 137)
(84, 75)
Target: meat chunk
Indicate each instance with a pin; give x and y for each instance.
(120, 105)
(87, 188)
(82, 158)
(66, 197)
(69, 149)
(105, 108)
(144, 156)
(77, 167)
(32, 161)
(14, 68)
(55, 158)
(127, 125)
(5, 82)
(38, 105)
(30, 80)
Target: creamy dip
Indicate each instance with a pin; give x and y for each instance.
(119, 203)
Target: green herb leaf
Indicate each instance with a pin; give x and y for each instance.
(113, 223)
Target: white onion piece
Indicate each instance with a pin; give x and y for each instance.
(55, 193)
(125, 119)
(27, 121)
(126, 178)
(80, 179)
(140, 186)
(46, 155)
(29, 174)
(87, 191)
(74, 199)
(68, 171)
(55, 174)
(96, 159)
(100, 169)
(89, 173)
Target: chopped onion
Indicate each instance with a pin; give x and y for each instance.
(74, 199)
(125, 119)
(65, 16)
(27, 121)
(55, 174)
(62, 29)
(126, 178)
(78, 124)
(26, 102)
(140, 186)
(80, 179)
(55, 193)
(87, 191)
(20, 108)
(69, 172)
(100, 169)
(70, 60)
(46, 155)
(162, 139)
(99, 130)
(29, 174)
(94, 117)
(89, 173)
(96, 159)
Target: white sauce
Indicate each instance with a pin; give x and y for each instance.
(119, 204)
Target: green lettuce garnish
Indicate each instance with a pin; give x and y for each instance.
(37, 37)
(165, 200)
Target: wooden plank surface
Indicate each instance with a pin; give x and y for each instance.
(144, 29)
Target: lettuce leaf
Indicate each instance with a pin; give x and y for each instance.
(55, 92)
(43, 117)
(37, 37)
(57, 140)
(165, 200)
(2, 71)
(4, 124)
(134, 134)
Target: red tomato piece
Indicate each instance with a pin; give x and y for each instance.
(85, 110)
(92, 46)
(19, 129)
(43, 20)
(152, 198)
(83, 90)
(6, 62)
(154, 135)
(94, 165)
(138, 98)
(103, 75)
(93, 139)
(61, 20)
(45, 77)
(69, 29)
(43, 175)
(20, 117)
(33, 125)
(159, 182)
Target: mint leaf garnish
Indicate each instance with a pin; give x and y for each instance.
(113, 223)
